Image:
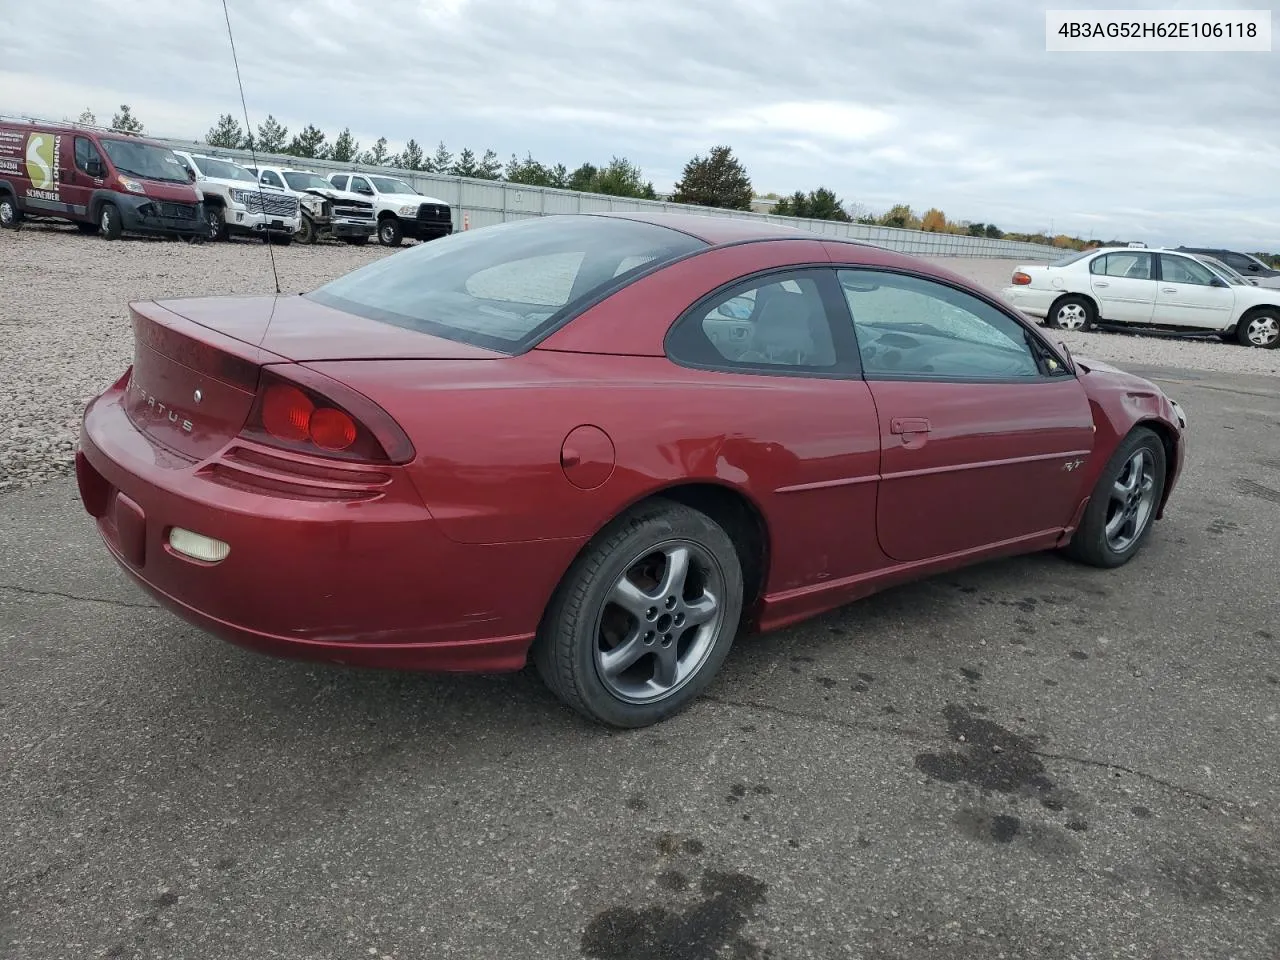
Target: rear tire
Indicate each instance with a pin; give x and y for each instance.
(634, 633)
(10, 213)
(109, 222)
(1072, 313)
(1261, 328)
(1122, 508)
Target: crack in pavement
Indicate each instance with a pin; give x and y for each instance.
(906, 733)
(74, 596)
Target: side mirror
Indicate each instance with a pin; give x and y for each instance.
(93, 168)
(191, 176)
(1218, 282)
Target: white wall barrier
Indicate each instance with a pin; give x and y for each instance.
(487, 202)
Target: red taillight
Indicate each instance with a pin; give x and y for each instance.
(310, 413)
(1021, 279)
(287, 412)
(332, 429)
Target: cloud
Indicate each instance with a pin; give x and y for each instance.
(932, 103)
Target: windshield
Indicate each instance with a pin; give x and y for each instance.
(223, 169)
(391, 185)
(502, 287)
(306, 181)
(1227, 274)
(144, 160)
(1072, 258)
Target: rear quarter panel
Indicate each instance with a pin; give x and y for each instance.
(489, 434)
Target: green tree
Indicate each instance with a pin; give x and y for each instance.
(900, 215)
(345, 147)
(412, 158)
(582, 178)
(820, 204)
(992, 231)
(309, 143)
(490, 166)
(528, 171)
(225, 133)
(465, 165)
(720, 180)
(272, 136)
(441, 161)
(377, 156)
(622, 178)
(975, 229)
(87, 117)
(126, 122)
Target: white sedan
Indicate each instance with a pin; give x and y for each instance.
(1149, 288)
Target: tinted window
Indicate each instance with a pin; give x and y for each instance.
(778, 321)
(1134, 266)
(911, 328)
(501, 287)
(1185, 270)
(339, 181)
(270, 179)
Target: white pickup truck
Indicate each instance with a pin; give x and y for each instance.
(234, 204)
(401, 210)
(327, 212)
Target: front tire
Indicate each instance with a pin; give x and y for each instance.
(306, 231)
(217, 218)
(1072, 313)
(390, 232)
(644, 618)
(1259, 329)
(109, 224)
(1124, 502)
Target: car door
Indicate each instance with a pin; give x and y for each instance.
(802, 426)
(86, 176)
(984, 430)
(361, 185)
(1190, 295)
(1124, 285)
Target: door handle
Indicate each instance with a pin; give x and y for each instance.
(1101, 283)
(909, 425)
(1168, 289)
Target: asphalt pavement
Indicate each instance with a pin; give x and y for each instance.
(1024, 759)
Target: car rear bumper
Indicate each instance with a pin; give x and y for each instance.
(1033, 302)
(361, 581)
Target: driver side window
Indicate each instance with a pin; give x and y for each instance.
(86, 155)
(1182, 270)
(270, 179)
(360, 185)
(910, 328)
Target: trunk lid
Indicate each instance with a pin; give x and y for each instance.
(191, 388)
(302, 330)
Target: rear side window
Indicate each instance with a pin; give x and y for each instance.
(504, 287)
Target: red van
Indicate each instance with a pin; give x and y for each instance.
(103, 181)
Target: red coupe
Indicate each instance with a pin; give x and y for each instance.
(607, 442)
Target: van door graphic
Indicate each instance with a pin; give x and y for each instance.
(40, 160)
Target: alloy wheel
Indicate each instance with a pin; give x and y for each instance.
(1072, 316)
(1263, 330)
(659, 622)
(1131, 502)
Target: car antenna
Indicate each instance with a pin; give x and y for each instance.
(275, 274)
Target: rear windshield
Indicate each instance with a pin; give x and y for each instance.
(1071, 258)
(503, 287)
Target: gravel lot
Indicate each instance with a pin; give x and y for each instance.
(64, 333)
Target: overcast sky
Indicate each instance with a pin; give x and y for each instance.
(926, 102)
